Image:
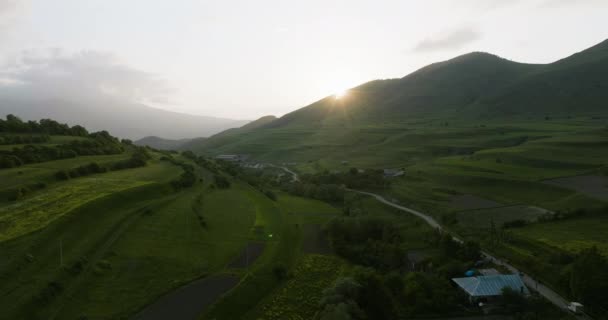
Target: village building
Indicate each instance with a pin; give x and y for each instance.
(489, 288)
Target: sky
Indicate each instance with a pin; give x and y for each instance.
(245, 59)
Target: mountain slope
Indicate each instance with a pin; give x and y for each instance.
(472, 87)
(575, 85)
(126, 120)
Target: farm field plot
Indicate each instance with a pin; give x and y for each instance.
(594, 186)
(306, 211)
(482, 218)
(470, 202)
(570, 235)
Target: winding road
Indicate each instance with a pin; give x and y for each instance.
(543, 290)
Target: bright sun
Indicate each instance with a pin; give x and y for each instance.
(340, 94)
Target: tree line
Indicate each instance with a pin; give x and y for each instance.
(99, 143)
(13, 124)
(139, 158)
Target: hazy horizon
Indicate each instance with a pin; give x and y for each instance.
(237, 59)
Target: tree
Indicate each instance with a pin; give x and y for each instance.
(589, 278)
(340, 301)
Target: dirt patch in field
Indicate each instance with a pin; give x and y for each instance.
(315, 240)
(189, 301)
(248, 256)
(470, 202)
(595, 186)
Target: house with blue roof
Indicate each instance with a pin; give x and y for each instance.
(488, 288)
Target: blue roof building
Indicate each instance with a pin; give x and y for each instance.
(488, 287)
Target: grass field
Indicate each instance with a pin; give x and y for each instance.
(570, 235)
(45, 172)
(75, 222)
(482, 218)
(165, 249)
(38, 210)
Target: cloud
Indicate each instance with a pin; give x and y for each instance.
(453, 39)
(80, 75)
(564, 3)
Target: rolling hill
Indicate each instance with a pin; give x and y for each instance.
(471, 89)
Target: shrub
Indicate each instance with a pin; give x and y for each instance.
(280, 272)
(221, 182)
(270, 195)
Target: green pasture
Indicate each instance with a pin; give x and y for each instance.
(570, 235)
(32, 274)
(166, 248)
(45, 171)
(38, 210)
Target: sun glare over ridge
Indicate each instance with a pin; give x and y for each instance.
(341, 93)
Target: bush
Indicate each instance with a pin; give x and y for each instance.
(515, 224)
(280, 272)
(221, 182)
(10, 161)
(270, 195)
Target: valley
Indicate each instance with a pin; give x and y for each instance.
(369, 205)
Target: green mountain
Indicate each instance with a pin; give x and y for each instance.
(472, 88)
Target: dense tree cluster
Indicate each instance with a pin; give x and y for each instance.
(13, 124)
(324, 192)
(100, 143)
(385, 287)
(24, 139)
(187, 179)
(588, 280)
(138, 159)
(368, 241)
(366, 293)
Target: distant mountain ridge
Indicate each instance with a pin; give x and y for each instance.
(125, 120)
(161, 143)
(472, 86)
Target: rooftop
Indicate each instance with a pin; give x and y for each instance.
(484, 286)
